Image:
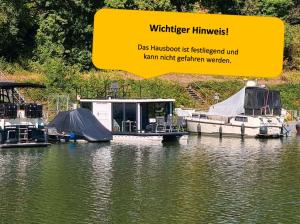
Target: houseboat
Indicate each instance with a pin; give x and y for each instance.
(132, 119)
(254, 111)
(21, 122)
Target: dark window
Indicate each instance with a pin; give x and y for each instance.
(124, 114)
(203, 116)
(130, 111)
(87, 105)
(241, 119)
(118, 113)
(195, 116)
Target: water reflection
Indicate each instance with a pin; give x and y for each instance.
(205, 180)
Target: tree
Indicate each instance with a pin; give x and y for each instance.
(65, 30)
(278, 8)
(184, 6)
(153, 5)
(120, 4)
(223, 6)
(17, 29)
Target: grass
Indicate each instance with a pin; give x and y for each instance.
(168, 86)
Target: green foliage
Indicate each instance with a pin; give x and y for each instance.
(223, 6)
(60, 77)
(184, 6)
(278, 8)
(157, 88)
(65, 30)
(225, 89)
(154, 5)
(55, 38)
(99, 87)
(293, 17)
(292, 47)
(11, 68)
(291, 77)
(120, 4)
(42, 29)
(290, 95)
(16, 29)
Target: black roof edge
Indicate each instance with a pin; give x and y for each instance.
(11, 85)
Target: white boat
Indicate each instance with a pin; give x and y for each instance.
(252, 112)
(244, 126)
(136, 119)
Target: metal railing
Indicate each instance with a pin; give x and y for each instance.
(18, 97)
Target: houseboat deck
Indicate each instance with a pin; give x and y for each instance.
(25, 145)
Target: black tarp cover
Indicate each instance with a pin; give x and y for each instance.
(83, 123)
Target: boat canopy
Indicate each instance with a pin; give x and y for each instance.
(232, 106)
(249, 101)
(81, 122)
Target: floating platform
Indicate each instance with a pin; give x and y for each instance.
(25, 145)
(269, 136)
(152, 136)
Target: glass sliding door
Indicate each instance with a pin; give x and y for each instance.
(124, 117)
(129, 123)
(150, 111)
(118, 116)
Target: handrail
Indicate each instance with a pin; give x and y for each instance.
(16, 93)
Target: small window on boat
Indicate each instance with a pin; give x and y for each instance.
(241, 119)
(195, 116)
(203, 116)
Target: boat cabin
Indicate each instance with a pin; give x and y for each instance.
(262, 101)
(131, 115)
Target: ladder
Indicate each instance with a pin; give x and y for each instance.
(23, 134)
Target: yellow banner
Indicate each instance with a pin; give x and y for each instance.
(149, 43)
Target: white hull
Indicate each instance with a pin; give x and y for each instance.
(215, 127)
(208, 128)
(134, 138)
(140, 139)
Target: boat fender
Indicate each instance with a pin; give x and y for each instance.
(72, 136)
(298, 128)
(281, 130)
(263, 130)
(220, 131)
(199, 128)
(243, 129)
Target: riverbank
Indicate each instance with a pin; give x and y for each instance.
(96, 83)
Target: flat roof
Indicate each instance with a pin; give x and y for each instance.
(11, 85)
(128, 100)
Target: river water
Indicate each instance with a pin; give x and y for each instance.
(201, 180)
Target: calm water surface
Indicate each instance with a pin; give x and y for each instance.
(204, 180)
